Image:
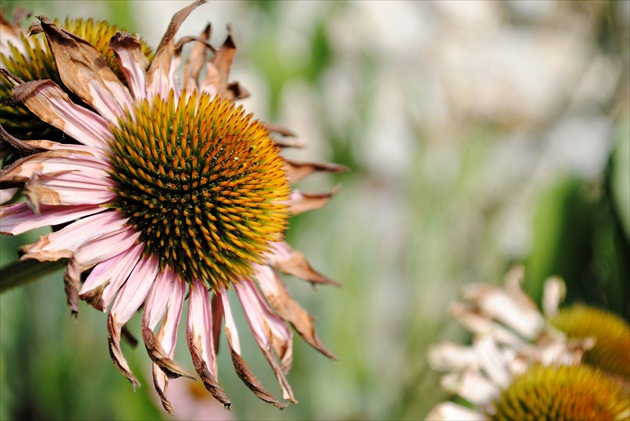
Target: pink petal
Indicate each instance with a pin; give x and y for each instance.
(167, 294)
(19, 218)
(199, 338)
(127, 303)
(240, 366)
(106, 278)
(69, 189)
(268, 329)
(7, 194)
(63, 243)
(104, 248)
(90, 253)
(166, 286)
(132, 62)
(58, 162)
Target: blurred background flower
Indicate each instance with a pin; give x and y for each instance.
(478, 134)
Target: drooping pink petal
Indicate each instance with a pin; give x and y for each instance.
(130, 298)
(52, 105)
(165, 286)
(286, 307)
(291, 262)
(243, 372)
(199, 338)
(19, 218)
(282, 336)
(132, 62)
(70, 189)
(104, 248)
(94, 251)
(268, 330)
(84, 71)
(55, 162)
(166, 289)
(63, 243)
(107, 277)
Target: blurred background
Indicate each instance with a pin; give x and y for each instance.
(478, 135)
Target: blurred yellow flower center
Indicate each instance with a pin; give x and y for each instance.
(203, 183)
(562, 393)
(611, 352)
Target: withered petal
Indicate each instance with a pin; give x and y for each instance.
(116, 352)
(286, 307)
(294, 263)
(252, 382)
(86, 73)
(196, 60)
(72, 284)
(297, 170)
(159, 356)
(303, 202)
(209, 381)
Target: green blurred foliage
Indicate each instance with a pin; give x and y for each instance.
(580, 235)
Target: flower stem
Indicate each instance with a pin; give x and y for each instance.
(22, 272)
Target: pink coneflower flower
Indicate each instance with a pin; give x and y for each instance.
(172, 192)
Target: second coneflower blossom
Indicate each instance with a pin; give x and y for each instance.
(519, 365)
(171, 192)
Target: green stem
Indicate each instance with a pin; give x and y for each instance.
(22, 272)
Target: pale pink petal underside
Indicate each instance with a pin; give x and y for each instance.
(166, 296)
(282, 336)
(132, 62)
(7, 194)
(129, 299)
(18, 218)
(155, 307)
(263, 325)
(106, 278)
(199, 338)
(63, 243)
(243, 372)
(96, 250)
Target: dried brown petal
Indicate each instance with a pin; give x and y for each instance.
(297, 170)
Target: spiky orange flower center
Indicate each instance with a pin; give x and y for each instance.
(561, 393)
(203, 182)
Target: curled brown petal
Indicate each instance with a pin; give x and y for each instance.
(297, 170)
(116, 352)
